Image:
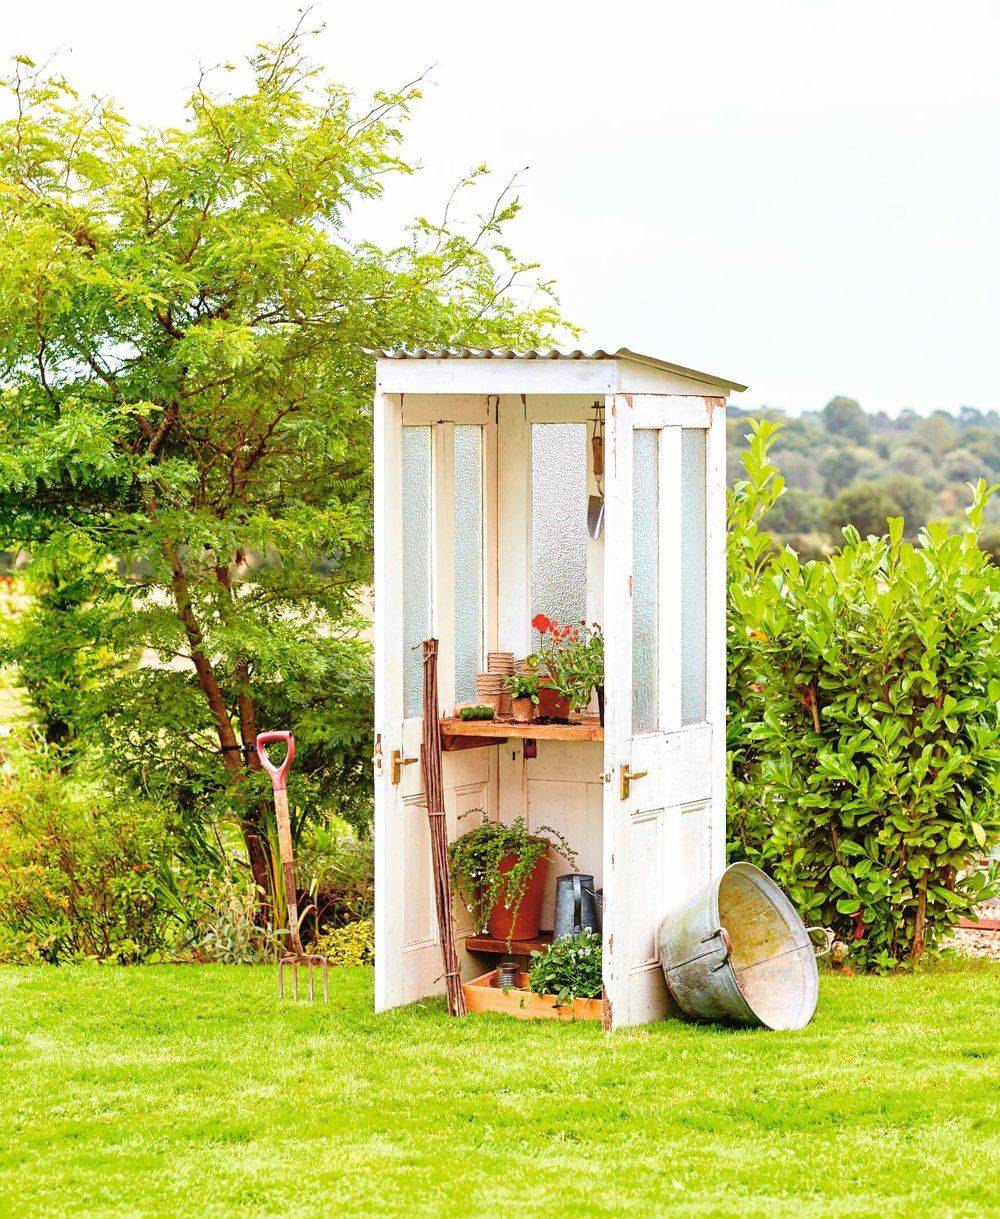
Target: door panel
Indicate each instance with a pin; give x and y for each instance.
(419, 548)
(657, 841)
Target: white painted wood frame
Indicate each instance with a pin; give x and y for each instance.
(667, 838)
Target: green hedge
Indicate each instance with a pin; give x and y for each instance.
(863, 731)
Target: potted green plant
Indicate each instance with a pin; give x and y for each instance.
(569, 969)
(571, 659)
(523, 689)
(499, 870)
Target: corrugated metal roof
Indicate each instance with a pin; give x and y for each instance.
(551, 353)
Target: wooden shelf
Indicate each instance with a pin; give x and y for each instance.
(516, 948)
(490, 732)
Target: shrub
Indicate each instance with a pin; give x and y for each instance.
(338, 869)
(82, 874)
(353, 944)
(227, 929)
(570, 968)
(863, 737)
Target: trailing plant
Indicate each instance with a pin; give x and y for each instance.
(523, 685)
(478, 712)
(570, 968)
(864, 746)
(476, 856)
(571, 658)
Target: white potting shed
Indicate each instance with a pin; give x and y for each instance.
(483, 473)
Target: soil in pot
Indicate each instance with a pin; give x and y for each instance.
(522, 710)
(502, 924)
(552, 705)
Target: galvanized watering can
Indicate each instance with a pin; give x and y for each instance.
(577, 905)
(738, 951)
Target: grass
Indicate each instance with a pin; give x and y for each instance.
(191, 1090)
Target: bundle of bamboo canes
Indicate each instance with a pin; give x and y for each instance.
(430, 761)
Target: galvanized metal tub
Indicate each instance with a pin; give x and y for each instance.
(738, 951)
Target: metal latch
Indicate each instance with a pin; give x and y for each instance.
(396, 764)
(626, 777)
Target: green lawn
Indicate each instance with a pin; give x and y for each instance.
(191, 1091)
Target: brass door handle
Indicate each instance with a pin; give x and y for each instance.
(396, 764)
(626, 777)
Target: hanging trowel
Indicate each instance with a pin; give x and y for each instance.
(595, 503)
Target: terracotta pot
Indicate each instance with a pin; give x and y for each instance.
(552, 705)
(522, 710)
(529, 916)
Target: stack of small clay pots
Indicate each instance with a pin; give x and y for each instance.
(490, 688)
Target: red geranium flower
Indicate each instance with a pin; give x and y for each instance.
(542, 624)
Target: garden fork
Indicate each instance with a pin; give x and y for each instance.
(297, 955)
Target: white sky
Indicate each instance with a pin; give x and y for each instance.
(803, 195)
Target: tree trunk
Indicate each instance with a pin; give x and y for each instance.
(920, 924)
(247, 714)
(252, 825)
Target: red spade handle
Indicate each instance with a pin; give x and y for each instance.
(278, 773)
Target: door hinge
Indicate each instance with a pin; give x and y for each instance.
(626, 777)
(396, 764)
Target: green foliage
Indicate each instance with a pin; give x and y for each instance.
(863, 736)
(844, 416)
(185, 439)
(476, 713)
(523, 685)
(476, 857)
(338, 870)
(83, 872)
(844, 467)
(867, 506)
(352, 944)
(227, 929)
(570, 968)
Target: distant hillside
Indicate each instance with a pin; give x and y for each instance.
(844, 466)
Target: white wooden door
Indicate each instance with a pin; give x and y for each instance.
(664, 832)
(434, 576)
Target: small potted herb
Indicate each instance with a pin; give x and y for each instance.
(500, 872)
(523, 690)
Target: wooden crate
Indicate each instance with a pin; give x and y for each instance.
(483, 995)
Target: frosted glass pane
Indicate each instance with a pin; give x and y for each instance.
(468, 561)
(693, 575)
(559, 521)
(645, 581)
(416, 527)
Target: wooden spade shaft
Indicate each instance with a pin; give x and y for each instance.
(288, 866)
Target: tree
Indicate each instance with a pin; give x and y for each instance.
(182, 342)
(839, 468)
(864, 506)
(844, 417)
